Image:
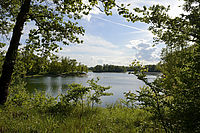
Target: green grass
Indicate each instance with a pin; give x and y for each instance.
(113, 119)
(38, 113)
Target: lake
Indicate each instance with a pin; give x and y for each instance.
(120, 83)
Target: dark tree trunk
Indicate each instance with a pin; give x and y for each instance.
(10, 59)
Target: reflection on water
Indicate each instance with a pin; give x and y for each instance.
(120, 83)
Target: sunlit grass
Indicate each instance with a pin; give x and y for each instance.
(111, 119)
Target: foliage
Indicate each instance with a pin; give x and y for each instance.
(97, 91)
(38, 113)
(108, 68)
(53, 65)
(54, 21)
(77, 93)
(113, 68)
(152, 68)
(173, 98)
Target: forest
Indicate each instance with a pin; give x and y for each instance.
(108, 68)
(114, 68)
(36, 65)
(171, 103)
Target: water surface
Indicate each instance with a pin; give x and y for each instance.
(119, 82)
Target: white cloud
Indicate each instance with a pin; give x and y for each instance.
(175, 9)
(96, 50)
(94, 60)
(139, 44)
(97, 41)
(174, 4)
(93, 45)
(144, 51)
(26, 30)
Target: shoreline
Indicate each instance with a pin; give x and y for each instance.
(148, 73)
(56, 75)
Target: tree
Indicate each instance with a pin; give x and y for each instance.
(174, 98)
(53, 22)
(108, 68)
(2, 52)
(10, 58)
(98, 91)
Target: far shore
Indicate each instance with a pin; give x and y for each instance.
(57, 75)
(148, 73)
(81, 74)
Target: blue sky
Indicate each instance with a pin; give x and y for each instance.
(113, 40)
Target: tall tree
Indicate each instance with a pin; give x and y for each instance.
(10, 58)
(54, 21)
(51, 27)
(174, 98)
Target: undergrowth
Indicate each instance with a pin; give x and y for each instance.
(37, 113)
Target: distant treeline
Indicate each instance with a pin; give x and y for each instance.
(108, 68)
(31, 64)
(56, 66)
(113, 68)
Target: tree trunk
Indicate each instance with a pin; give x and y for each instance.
(10, 59)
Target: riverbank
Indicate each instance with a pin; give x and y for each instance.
(106, 72)
(79, 74)
(35, 112)
(148, 73)
(115, 118)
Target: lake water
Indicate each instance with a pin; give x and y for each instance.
(120, 83)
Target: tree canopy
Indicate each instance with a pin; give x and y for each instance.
(55, 22)
(174, 97)
(108, 68)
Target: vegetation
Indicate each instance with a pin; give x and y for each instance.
(37, 112)
(108, 68)
(168, 104)
(174, 97)
(113, 68)
(36, 65)
(55, 21)
(150, 68)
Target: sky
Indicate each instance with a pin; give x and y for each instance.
(113, 40)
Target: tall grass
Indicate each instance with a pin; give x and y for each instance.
(36, 112)
(112, 119)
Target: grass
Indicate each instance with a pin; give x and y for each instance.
(113, 119)
(38, 113)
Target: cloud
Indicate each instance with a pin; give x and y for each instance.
(175, 9)
(139, 44)
(144, 51)
(124, 25)
(97, 41)
(174, 5)
(96, 50)
(93, 45)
